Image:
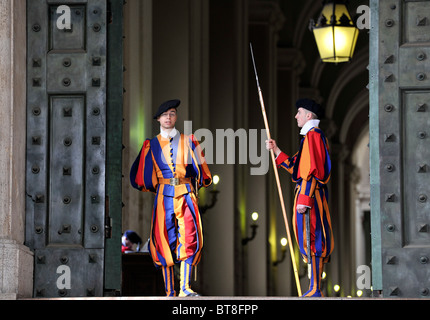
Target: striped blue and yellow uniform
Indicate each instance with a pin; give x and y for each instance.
(176, 228)
(310, 168)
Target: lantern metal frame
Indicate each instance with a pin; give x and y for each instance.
(336, 36)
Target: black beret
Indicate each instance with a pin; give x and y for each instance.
(166, 106)
(132, 236)
(310, 105)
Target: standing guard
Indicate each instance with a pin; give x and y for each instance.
(172, 166)
(310, 168)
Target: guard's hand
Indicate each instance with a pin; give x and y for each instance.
(271, 144)
(301, 208)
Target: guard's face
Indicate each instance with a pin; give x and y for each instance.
(302, 117)
(168, 119)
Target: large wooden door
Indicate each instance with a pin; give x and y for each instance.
(67, 209)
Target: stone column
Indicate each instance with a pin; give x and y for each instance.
(265, 21)
(289, 69)
(138, 110)
(16, 260)
(338, 205)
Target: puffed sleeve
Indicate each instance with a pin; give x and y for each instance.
(142, 174)
(204, 176)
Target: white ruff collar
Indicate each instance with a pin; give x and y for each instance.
(167, 135)
(313, 123)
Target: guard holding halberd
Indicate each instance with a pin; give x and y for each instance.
(310, 168)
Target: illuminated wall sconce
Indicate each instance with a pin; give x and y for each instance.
(336, 289)
(254, 226)
(335, 33)
(284, 243)
(214, 192)
(215, 180)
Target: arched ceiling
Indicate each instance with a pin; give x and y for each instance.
(341, 87)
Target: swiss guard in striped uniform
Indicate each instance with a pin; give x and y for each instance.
(310, 168)
(172, 166)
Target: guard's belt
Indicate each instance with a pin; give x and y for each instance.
(174, 181)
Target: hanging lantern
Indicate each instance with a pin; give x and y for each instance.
(334, 32)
